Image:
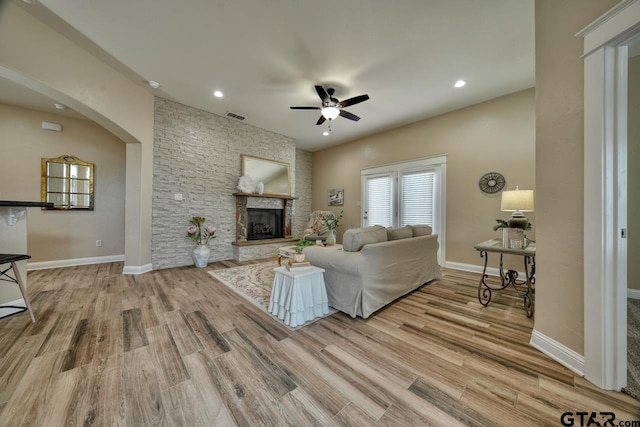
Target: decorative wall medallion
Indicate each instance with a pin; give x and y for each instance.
(492, 182)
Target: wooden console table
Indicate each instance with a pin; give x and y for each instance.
(524, 288)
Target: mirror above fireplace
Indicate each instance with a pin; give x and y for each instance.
(273, 174)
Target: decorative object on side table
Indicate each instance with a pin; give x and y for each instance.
(201, 235)
(332, 224)
(516, 201)
(509, 234)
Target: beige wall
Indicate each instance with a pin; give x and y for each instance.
(633, 186)
(33, 54)
(497, 135)
(60, 235)
(559, 167)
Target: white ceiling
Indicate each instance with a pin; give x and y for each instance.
(15, 94)
(267, 55)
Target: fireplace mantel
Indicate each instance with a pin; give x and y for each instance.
(241, 215)
(268, 196)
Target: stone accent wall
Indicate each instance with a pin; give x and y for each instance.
(302, 206)
(197, 154)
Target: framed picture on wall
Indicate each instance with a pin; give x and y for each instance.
(336, 197)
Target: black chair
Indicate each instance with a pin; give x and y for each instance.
(12, 259)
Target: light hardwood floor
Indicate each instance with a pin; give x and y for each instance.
(176, 347)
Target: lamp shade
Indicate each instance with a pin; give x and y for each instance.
(330, 113)
(517, 200)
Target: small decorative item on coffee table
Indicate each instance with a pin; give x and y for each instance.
(289, 251)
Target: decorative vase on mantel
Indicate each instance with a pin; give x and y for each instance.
(201, 255)
(331, 238)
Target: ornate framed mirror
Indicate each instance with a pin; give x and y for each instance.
(273, 174)
(67, 182)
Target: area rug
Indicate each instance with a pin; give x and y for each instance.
(253, 282)
(633, 348)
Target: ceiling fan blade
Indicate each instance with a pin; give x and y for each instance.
(322, 94)
(321, 120)
(353, 101)
(348, 115)
(305, 108)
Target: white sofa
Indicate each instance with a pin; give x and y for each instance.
(377, 266)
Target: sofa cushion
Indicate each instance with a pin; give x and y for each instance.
(355, 238)
(421, 230)
(399, 233)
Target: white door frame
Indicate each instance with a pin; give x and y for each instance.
(605, 139)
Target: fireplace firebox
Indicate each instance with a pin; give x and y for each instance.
(264, 224)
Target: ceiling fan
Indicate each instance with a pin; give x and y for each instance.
(332, 108)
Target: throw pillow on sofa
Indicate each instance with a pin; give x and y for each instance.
(355, 238)
(421, 230)
(399, 233)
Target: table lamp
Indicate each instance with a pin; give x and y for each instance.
(517, 201)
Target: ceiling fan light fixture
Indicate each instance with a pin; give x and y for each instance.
(325, 133)
(330, 113)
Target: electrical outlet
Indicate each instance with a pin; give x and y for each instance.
(177, 196)
(98, 243)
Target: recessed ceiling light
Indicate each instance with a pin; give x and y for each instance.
(325, 133)
(60, 106)
(460, 83)
(30, 1)
(154, 84)
(218, 94)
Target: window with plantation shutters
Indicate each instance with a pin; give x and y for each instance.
(407, 193)
(416, 198)
(378, 200)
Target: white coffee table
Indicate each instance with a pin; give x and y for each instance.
(298, 296)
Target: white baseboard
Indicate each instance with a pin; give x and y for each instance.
(558, 352)
(472, 268)
(72, 262)
(491, 271)
(633, 293)
(6, 311)
(137, 269)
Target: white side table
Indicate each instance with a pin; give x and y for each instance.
(298, 296)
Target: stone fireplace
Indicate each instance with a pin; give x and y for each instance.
(263, 224)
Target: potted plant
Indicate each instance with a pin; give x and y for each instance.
(201, 235)
(332, 224)
(502, 224)
(300, 245)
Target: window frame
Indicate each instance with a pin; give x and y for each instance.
(435, 164)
